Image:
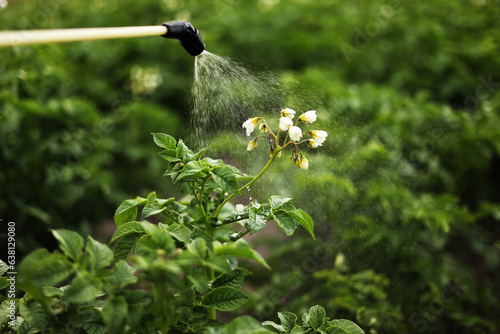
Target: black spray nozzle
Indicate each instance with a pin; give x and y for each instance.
(187, 35)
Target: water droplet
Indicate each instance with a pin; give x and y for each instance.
(225, 93)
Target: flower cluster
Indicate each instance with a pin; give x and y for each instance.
(294, 135)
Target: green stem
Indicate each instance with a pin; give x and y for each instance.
(243, 234)
(211, 314)
(211, 275)
(234, 220)
(217, 212)
(208, 226)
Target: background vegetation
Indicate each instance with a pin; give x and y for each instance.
(404, 193)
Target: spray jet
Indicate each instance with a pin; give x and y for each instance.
(188, 36)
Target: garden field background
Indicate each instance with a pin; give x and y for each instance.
(404, 193)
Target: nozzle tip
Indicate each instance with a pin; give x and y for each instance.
(188, 36)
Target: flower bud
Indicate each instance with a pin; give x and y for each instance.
(312, 143)
(303, 163)
(263, 128)
(252, 144)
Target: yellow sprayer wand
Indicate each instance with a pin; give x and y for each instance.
(188, 36)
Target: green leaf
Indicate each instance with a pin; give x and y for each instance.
(288, 320)
(226, 179)
(34, 318)
(277, 201)
(51, 291)
(273, 327)
(180, 232)
(148, 245)
(193, 170)
(127, 211)
(164, 141)
(42, 268)
(3, 268)
(224, 298)
(71, 243)
(201, 152)
(196, 166)
(100, 254)
(233, 279)
(182, 149)
(220, 263)
(216, 325)
(199, 233)
(256, 221)
(84, 288)
(186, 297)
(125, 247)
(244, 325)
(285, 221)
(138, 297)
(300, 330)
(240, 248)
(170, 155)
(4, 308)
(343, 326)
(123, 274)
(200, 282)
(303, 219)
(94, 327)
(4, 283)
(128, 229)
(161, 239)
(199, 312)
(305, 319)
(152, 209)
(198, 247)
(317, 316)
(114, 313)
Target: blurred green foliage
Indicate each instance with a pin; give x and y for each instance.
(404, 193)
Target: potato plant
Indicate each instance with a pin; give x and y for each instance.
(172, 263)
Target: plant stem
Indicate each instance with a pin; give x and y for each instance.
(211, 275)
(217, 212)
(210, 229)
(241, 235)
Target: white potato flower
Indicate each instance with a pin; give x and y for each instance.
(250, 124)
(287, 112)
(308, 117)
(319, 136)
(285, 123)
(295, 133)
